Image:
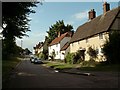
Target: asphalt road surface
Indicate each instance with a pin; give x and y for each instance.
(29, 75)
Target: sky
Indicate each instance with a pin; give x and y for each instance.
(73, 13)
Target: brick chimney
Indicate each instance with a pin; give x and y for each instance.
(92, 14)
(106, 7)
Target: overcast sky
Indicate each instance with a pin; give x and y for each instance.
(74, 13)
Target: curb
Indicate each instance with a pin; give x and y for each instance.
(78, 73)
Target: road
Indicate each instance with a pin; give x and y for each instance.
(29, 75)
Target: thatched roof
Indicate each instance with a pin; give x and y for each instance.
(97, 25)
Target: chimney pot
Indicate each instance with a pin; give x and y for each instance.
(92, 14)
(106, 7)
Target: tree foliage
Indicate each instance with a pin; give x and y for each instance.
(15, 17)
(15, 23)
(58, 27)
(111, 48)
(27, 51)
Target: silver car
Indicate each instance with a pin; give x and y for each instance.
(37, 61)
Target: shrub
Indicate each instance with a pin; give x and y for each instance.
(92, 53)
(78, 57)
(111, 48)
(74, 58)
(69, 58)
(89, 63)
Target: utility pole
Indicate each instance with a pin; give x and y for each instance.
(21, 43)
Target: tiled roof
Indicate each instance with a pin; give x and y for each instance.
(58, 39)
(97, 25)
(65, 46)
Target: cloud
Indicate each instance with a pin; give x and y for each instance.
(81, 15)
(78, 19)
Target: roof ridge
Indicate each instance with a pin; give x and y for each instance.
(99, 24)
(58, 39)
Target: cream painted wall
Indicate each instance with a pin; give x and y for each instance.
(94, 41)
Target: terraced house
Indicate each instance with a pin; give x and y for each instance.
(95, 32)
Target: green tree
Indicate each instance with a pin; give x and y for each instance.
(58, 27)
(27, 51)
(45, 48)
(15, 23)
(111, 48)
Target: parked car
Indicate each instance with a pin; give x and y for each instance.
(37, 61)
(32, 59)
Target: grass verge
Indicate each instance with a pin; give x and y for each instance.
(8, 66)
(84, 66)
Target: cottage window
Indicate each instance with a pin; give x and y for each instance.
(100, 36)
(56, 45)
